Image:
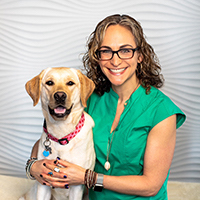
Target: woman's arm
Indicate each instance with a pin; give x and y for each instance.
(157, 160)
(35, 150)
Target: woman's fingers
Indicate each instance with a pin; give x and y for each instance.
(59, 173)
(60, 185)
(48, 173)
(55, 177)
(37, 169)
(54, 172)
(63, 163)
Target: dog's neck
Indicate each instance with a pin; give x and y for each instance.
(60, 129)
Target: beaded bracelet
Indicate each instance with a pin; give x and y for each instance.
(90, 178)
(29, 164)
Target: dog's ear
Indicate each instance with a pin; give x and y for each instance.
(87, 87)
(33, 88)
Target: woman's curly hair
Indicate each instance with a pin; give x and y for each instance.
(148, 71)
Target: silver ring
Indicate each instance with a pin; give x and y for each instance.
(56, 169)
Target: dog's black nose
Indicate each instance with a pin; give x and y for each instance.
(60, 97)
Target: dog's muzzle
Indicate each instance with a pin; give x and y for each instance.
(60, 111)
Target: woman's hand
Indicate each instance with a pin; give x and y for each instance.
(69, 174)
(38, 168)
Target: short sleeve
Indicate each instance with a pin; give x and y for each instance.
(167, 108)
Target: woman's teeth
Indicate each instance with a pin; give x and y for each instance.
(117, 70)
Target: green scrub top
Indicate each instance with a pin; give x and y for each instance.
(126, 157)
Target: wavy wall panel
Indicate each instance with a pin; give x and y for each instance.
(36, 34)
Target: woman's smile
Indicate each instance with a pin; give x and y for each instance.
(117, 72)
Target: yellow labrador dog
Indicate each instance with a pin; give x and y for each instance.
(68, 129)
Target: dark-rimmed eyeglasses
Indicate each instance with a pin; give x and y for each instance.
(124, 53)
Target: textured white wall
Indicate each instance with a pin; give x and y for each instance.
(35, 34)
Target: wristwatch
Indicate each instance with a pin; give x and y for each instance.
(98, 187)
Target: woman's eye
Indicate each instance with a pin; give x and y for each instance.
(125, 50)
(106, 51)
(70, 83)
(50, 83)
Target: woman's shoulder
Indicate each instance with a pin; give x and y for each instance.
(165, 107)
(159, 96)
(154, 98)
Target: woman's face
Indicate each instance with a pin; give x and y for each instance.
(119, 72)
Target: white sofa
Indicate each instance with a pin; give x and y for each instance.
(11, 188)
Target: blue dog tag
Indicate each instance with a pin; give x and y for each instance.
(46, 153)
(47, 150)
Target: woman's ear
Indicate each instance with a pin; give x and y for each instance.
(140, 57)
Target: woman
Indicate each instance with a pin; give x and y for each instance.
(135, 123)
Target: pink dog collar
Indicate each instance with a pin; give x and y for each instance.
(67, 138)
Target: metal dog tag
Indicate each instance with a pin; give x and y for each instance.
(48, 149)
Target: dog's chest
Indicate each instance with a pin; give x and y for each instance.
(67, 151)
(74, 151)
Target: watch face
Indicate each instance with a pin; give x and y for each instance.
(98, 187)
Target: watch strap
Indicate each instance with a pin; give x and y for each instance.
(100, 179)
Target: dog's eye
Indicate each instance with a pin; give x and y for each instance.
(70, 83)
(50, 83)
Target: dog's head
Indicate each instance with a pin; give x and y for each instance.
(61, 90)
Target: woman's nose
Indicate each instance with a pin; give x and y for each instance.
(116, 61)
